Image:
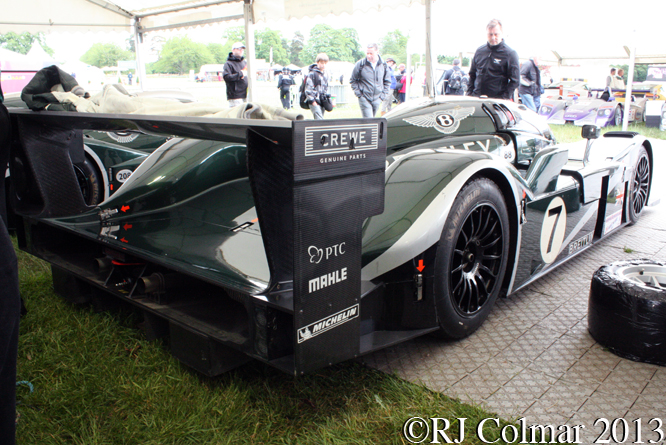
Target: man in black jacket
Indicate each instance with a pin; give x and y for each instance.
(235, 75)
(495, 70)
(530, 83)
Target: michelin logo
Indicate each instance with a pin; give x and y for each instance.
(328, 323)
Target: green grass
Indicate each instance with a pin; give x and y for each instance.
(572, 133)
(97, 381)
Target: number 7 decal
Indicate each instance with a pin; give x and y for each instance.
(553, 229)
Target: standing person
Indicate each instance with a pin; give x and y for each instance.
(129, 78)
(454, 80)
(285, 81)
(401, 80)
(370, 80)
(619, 80)
(235, 75)
(316, 86)
(495, 71)
(388, 100)
(610, 80)
(530, 83)
(10, 305)
(610, 85)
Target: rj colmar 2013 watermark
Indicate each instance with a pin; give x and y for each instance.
(441, 430)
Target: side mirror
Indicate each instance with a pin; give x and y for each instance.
(590, 132)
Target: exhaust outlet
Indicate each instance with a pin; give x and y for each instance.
(103, 264)
(158, 283)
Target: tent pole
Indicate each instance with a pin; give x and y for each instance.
(430, 87)
(627, 94)
(138, 46)
(248, 13)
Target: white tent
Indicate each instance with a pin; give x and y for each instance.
(145, 16)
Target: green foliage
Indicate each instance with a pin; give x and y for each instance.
(219, 52)
(235, 34)
(106, 54)
(338, 44)
(180, 54)
(394, 44)
(448, 60)
(296, 48)
(21, 43)
(269, 39)
(571, 133)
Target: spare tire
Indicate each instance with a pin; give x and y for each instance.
(627, 309)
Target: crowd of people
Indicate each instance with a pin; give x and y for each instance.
(378, 83)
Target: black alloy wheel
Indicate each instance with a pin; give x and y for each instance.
(640, 186)
(471, 258)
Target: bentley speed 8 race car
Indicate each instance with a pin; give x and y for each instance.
(305, 243)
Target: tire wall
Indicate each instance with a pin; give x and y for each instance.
(627, 317)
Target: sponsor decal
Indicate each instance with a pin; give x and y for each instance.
(341, 140)
(612, 222)
(123, 175)
(328, 323)
(316, 254)
(443, 121)
(326, 280)
(497, 61)
(123, 137)
(552, 230)
(575, 246)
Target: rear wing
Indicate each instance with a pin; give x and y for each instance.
(313, 182)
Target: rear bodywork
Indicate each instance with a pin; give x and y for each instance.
(306, 243)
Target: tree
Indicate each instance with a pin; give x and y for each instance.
(235, 34)
(350, 41)
(105, 54)
(21, 43)
(180, 54)
(448, 60)
(338, 44)
(296, 48)
(394, 44)
(218, 51)
(269, 39)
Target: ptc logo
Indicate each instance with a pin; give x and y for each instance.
(316, 254)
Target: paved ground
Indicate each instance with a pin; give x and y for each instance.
(534, 356)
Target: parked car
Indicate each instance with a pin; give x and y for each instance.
(592, 110)
(305, 243)
(567, 89)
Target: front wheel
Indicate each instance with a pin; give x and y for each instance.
(618, 116)
(471, 258)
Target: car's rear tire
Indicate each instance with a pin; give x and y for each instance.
(90, 182)
(640, 186)
(471, 258)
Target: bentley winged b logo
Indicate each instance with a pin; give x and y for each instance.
(444, 121)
